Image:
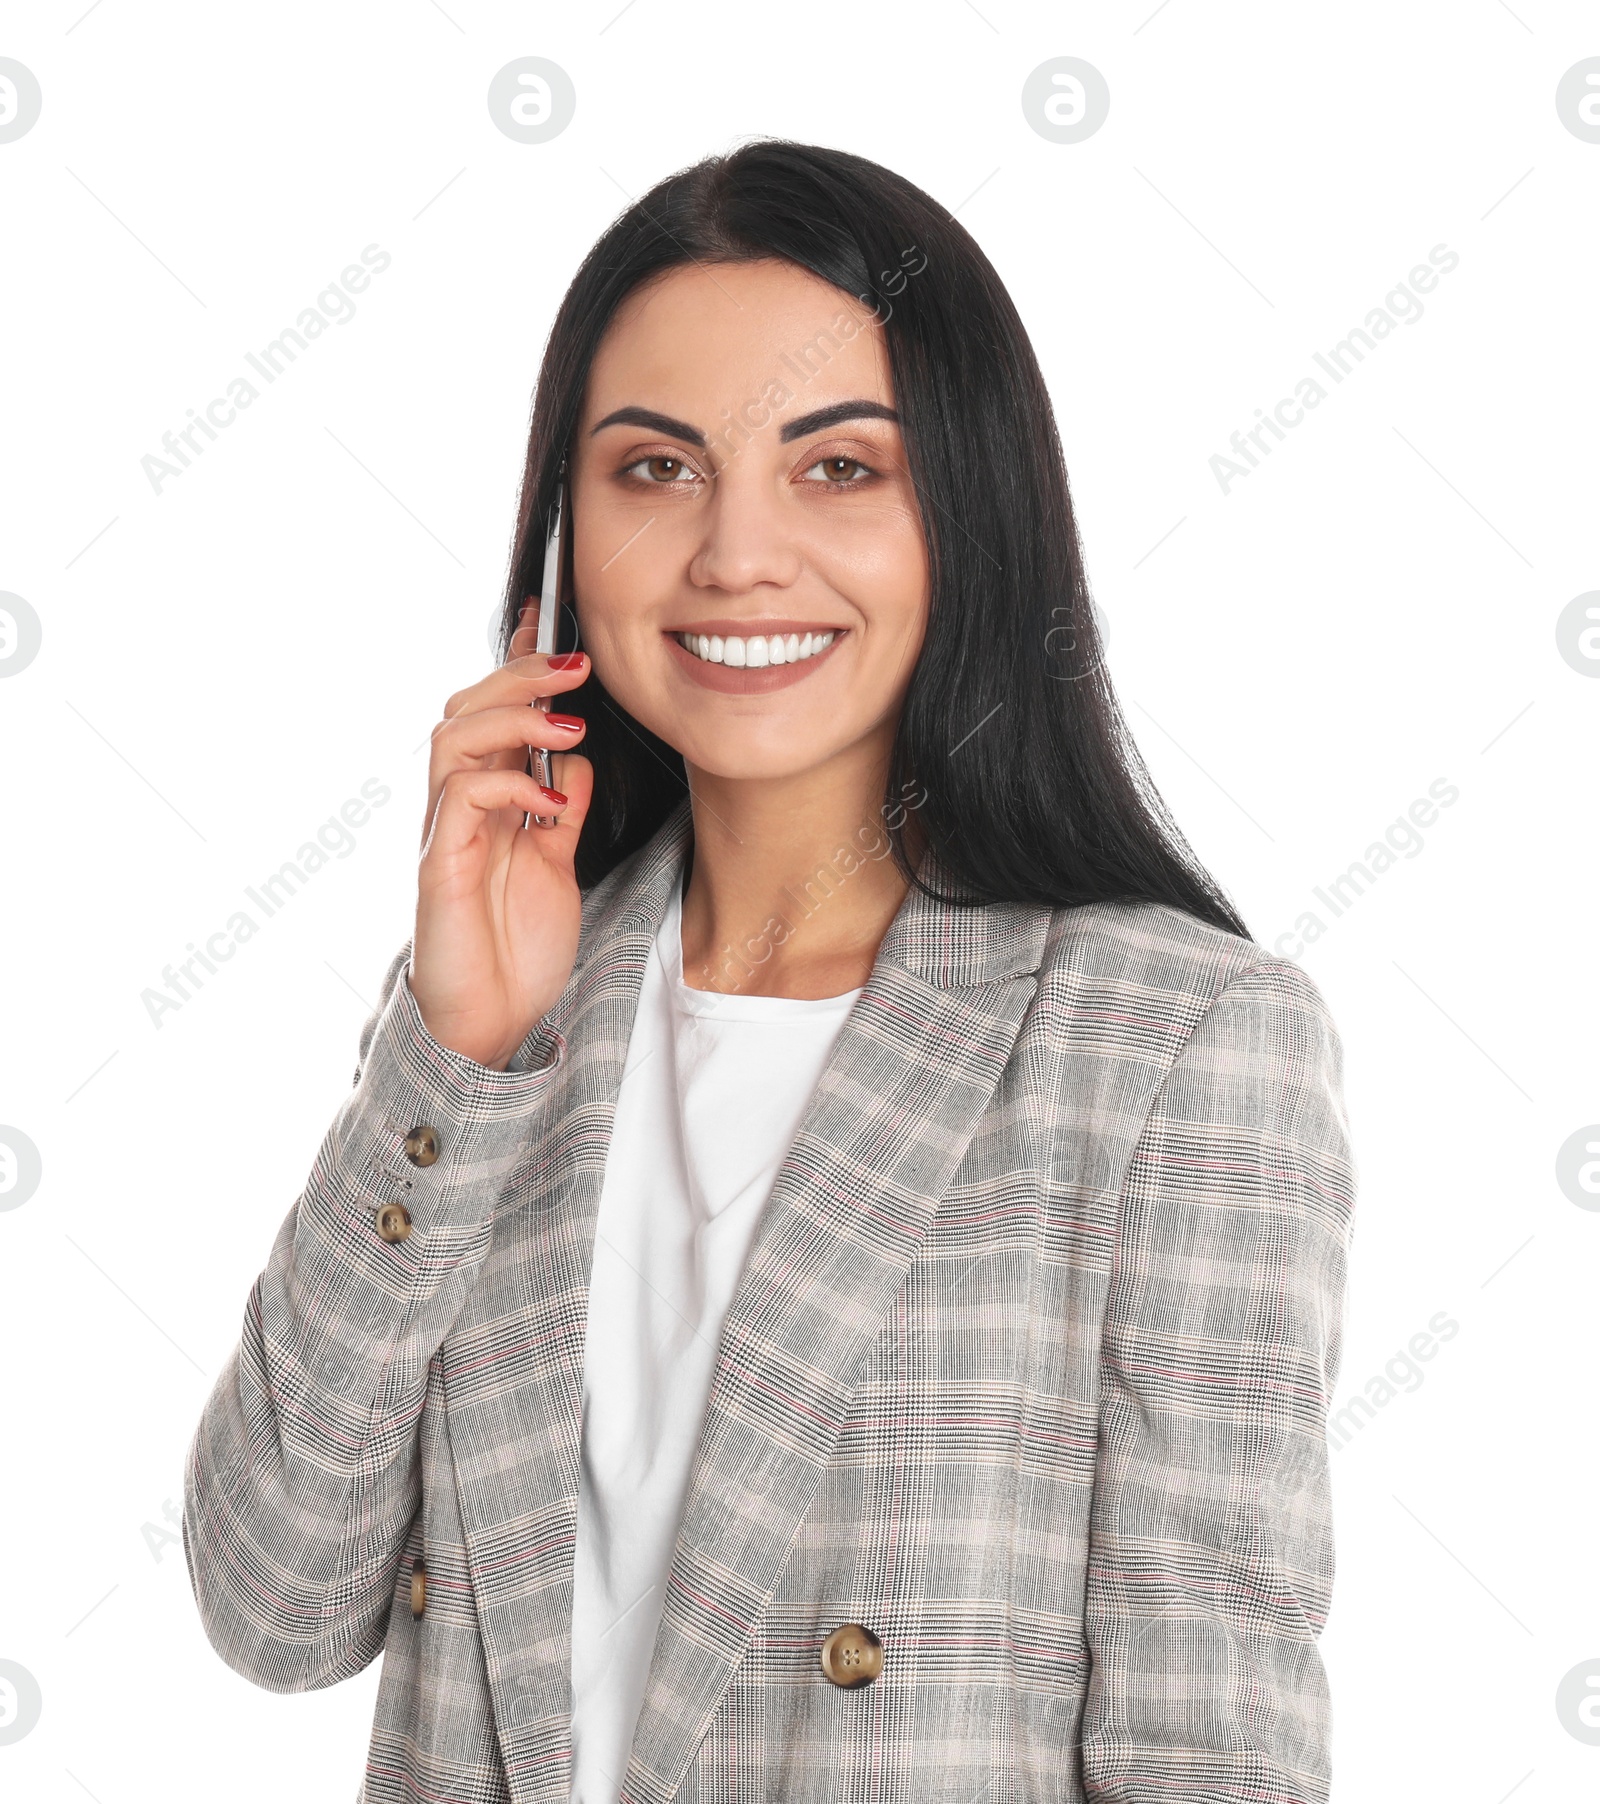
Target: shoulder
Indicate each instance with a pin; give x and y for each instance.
(1142, 978)
(1201, 1058)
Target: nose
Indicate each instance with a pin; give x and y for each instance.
(747, 541)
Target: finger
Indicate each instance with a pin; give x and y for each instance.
(521, 680)
(461, 743)
(525, 639)
(496, 738)
(574, 778)
(470, 799)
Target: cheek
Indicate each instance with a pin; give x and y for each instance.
(616, 597)
(889, 580)
(613, 593)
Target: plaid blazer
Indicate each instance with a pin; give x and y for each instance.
(1027, 1372)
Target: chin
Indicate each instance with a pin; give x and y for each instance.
(741, 759)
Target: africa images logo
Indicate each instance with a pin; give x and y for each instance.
(334, 306)
(1401, 306)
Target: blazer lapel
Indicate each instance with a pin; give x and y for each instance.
(513, 1371)
(907, 1082)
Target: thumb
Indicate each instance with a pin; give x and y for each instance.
(525, 638)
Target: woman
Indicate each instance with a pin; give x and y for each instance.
(828, 1282)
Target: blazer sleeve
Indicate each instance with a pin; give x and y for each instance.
(1211, 1553)
(302, 1479)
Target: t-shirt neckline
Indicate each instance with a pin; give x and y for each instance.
(731, 1007)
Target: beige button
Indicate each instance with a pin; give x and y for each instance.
(852, 1655)
(394, 1222)
(422, 1145)
(419, 1587)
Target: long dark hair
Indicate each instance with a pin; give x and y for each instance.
(1012, 754)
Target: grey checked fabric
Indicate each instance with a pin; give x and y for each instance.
(1028, 1372)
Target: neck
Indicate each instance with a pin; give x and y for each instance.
(793, 884)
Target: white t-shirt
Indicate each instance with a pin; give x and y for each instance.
(713, 1091)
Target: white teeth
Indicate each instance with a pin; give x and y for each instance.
(753, 653)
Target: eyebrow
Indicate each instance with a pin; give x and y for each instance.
(652, 422)
(836, 415)
(817, 421)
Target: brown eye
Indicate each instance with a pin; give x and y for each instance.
(663, 468)
(841, 471)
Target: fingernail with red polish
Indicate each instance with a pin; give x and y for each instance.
(566, 660)
(568, 723)
(553, 795)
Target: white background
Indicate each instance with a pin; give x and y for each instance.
(225, 662)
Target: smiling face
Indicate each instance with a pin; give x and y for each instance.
(749, 566)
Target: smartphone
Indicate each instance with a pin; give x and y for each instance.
(549, 621)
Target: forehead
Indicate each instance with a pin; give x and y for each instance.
(705, 338)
